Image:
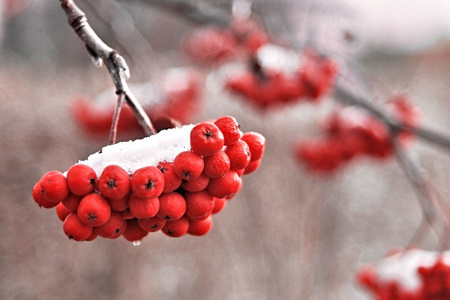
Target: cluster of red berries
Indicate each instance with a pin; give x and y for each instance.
(313, 78)
(176, 96)
(212, 45)
(351, 132)
(176, 196)
(421, 276)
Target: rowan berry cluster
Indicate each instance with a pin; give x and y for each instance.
(176, 196)
(351, 132)
(176, 96)
(411, 275)
(308, 77)
(212, 45)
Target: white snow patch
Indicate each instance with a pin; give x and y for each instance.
(149, 151)
(278, 59)
(403, 267)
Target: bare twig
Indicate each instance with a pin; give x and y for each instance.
(196, 11)
(116, 65)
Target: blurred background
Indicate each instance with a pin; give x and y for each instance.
(288, 233)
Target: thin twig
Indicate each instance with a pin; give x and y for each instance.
(115, 120)
(115, 63)
(196, 11)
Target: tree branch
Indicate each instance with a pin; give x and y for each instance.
(116, 64)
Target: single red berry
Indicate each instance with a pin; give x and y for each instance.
(171, 180)
(121, 231)
(133, 232)
(252, 166)
(188, 165)
(224, 186)
(256, 143)
(200, 227)
(71, 202)
(75, 229)
(219, 204)
(119, 205)
(114, 182)
(92, 237)
(112, 227)
(230, 129)
(216, 165)
(81, 179)
(176, 228)
(143, 207)
(147, 182)
(198, 205)
(94, 210)
(54, 186)
(127, 214)
(38, 196)
(196, 185)
(206, 139)
(62, 211)
(172, 206)
(151, 224)
(239, 154)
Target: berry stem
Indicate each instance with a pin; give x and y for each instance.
(115, 120)
(102, 53)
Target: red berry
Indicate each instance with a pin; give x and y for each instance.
(127, 214)
(134, 232)
(94, 210)
(176, 228)
(119, 205)
(121, 231)
(196, 185)
(143, 207)
(54, 186)
(71, 202)
(252, 166)
(224, 186)
(256, 143)
(219, 204)
(171, 180)
(216, 165)
(112, 227)
(206, 139)
(239, 154)
(81, 179)
(198, 205)
(188, 165)
(147, 182)
(62, 211)
(38, 196)
(151, 224)
(200, 227)
(230, 129)
(114, 182)
(172, 206)
(75, 229)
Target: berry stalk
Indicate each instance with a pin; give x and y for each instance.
(102, 53)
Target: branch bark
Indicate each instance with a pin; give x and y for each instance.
(115, 63)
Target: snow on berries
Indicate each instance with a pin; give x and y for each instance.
(173, 182)
(414, 274)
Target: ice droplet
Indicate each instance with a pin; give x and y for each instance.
(136, 243)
